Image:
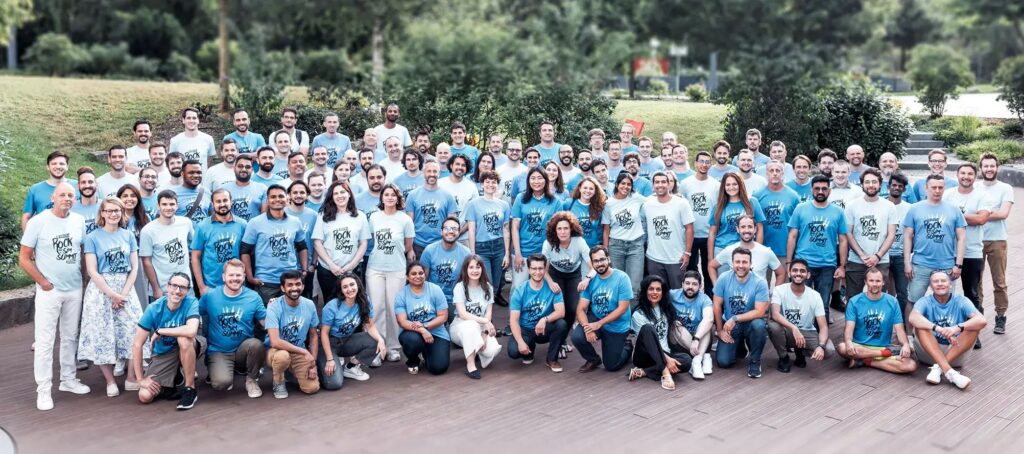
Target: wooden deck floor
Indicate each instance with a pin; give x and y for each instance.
(824, 408)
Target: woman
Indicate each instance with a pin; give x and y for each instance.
(340, 237)
(110, 308)
(484, 163)
(652, 356)
(472, 329)
(556, 181)
(530, 215)
(422, 310)
(137, 219)
(342, 174)
(347, 330)
(569, 261)
(588, 205)
(733, 201)
(487, 220)
(392, 230)
(626, 233)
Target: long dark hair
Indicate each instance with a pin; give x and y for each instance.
(597, 202)
(559, 181)
(361, 300)
(723, 197)
(476, 169)
(619, 178)
(644, 304)
(330, 210)
(139, 213)
(485, 282)
(528, 193)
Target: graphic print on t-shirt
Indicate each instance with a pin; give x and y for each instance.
(290, 330)
(493, 223)
(738, 303)
(699, 203)
(625, 219)
(175, 252)
(869, 227)
(602, 302)
(872, 322)
(428, 214)
(443, 273)
(279, 245)
(229, 321)
(343, 240)
(818, 228)
(419, 315)
(225, 248)
(384, 241)
(240, 208)
(792, 315)
(534, 309)
(535, 223)
(192, 154)
(933, 229)
(64, 251)
(117, 260)
(661, 227)
(772, 214)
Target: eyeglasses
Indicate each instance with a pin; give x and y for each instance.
(112, 211)
(181, 288)
(820, 189)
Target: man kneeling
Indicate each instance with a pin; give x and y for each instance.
(794, 313)
(870, 319)
(229, 314)
(291, 327)
(947, 326)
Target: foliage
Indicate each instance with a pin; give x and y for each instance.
(955, 131)
(329, 66)
(1006, 150)
(13, 13)
(911, 26)
(140, 68)
(657, 87)
(791, 114)
(258, 85)
(105, 58)
(179, 68)
(994, 11)
(937, 72)
(56, 55)
(1010, 78)
(1012, 129)
(150, 33)
(696, 92)
(858, 112)
(208, 57)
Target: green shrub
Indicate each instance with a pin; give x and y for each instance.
(1010, 79)
(150, 33)
(105, 58)
(696, 92)
(937, 71)
(858, 112)
(792, 114)
(988, 132)
(1012, 129)
(208, 58)
(1005, 149)
(328, 66)
(619, 93)
(657, 87)
(179, 68)
(55, 54)
(956, 131)
(140, 68)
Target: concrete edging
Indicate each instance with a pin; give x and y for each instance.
(17, 306)
(1011, 176)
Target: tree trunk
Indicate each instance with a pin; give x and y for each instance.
(377, 43)
(222, 67)
(903, 59)
(632, 78)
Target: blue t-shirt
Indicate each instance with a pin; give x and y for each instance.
(648, 168)
(444, 266)
(957, 310)
(88, 213)
(730, 218)
(777, 207)
(819, 230)
(680, 176)
(549, 154)
(157, 316)
(489, 217)
(246, 200)
(308, 219)
(760, 159)
(801, 190)
(368, 204)
(336, 146)
(716, 173)
(690, 312)
(423, 307)
(149, 204)
(934, 229)
(343, 320)
(186, 198)
(219, 242)
(593, 229)
(428, 209)
(293, 323)
(605, 294)
(274, 245)
(534, 304)
(920, 191)
(468, 151)
(873, 320)
(38, 198)
(229, 320)
(533, 222)
(113, 250)
(737, 297)
(315, 206)
(267, 182)
(643, 186)
(408, 184)
(249, 143)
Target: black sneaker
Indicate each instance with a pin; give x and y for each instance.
(1000, 325)
(188, 399)
(801, 361)
(783, 364)
(977, 344)
(754, 370)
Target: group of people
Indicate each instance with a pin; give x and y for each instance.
(391, 246)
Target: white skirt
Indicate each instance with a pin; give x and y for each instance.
(106, 334)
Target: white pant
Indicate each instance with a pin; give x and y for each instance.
(468, 335)
(383, 288)
(55, 308)
(518, 277)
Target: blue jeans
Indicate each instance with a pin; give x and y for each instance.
(899, 280)
(493, 252)
(614, 351)
(435, 354)
(922, 279)
(628, 256)
(821, 280)
(754, 332)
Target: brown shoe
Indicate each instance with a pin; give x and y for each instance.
(555, 366)
(590, 366)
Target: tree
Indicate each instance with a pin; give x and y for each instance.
(224, 84)
(911, 26)
(1010, 78)
(937, 71)
(13, 13)
(55, 54)
(994, 11)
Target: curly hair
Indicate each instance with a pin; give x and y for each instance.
(597, 202)
(574, 228)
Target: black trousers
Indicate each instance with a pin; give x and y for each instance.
(970, 277)
(648, 355)
(699, 253)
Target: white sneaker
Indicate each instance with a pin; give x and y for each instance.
(119, 368)
(131, 385)
(706, 364)
(958, 380)
(112, 390)
(394, 356)
(73, 386)
(355, 373)
(934, 375)
(43, 401)
(253, 388)
(697, 370)
(376, 362)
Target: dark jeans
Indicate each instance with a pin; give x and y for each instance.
(970, 278)
(329, 284)
(419, 250)
(569, 282)
(821, 280)
(307, 285)
(754, 333)
(899, 281)
(435, 354)
(553, 335)
(493, 252)
(649, 356)
(670, 272)
(614, 351)
(699, 252)
(267, 293)
(361, 345)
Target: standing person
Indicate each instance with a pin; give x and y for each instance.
(547, 147)
(566, 155)
(588, 204)
(751, 180)
(147, 192)
(669, 224)
(511, 169)
(614, 160)
(495, 143)
(777, 152)
(50, 254)
(519, 183)
(604, 313)
(456, 183)
(472, 328)
(798, 320)
(487, 225)
(626, 233)
(300, 138)
(393, 161)
(937, 166)
(291, 342)
(223, 172)
(694, 321)
(175, 160)
(721, 150)
(843, 189)
(536, 317)
(108, 183)
(569, 267)
(265, 159)
(347, 331)
(855, 156)
(740, 301)
(733, 201)
(429, 206)
(888, 165)
(319, 158)
(412, 178)
(371, 143)
(163, 244)
(158, 162)
(367, 203)
(778, 203)
(247, 196)
(317, 182)
(585, 164)
(870, 319)
(648, 164)
(801, 183)
(39, 195)
(248, 141)
(872, 224)
(340, 238)
(87, 205)
(422, 142)
(947, 325)
(934, 236)
(443, 260)
(681, 162)
(422, 312)
(137, 219)
(897, 185)
(626, 133)
(392, 231)
(995, 235)
(192, 143)
(826, 159)
(272, 244)
(217, 240)
(596, 138)
(297, 195)
(193, 199)
(459, 145)
(556, 181)
(390, 128)
(753, 142)
(631, 166)
(230, 313)
(654, 356)
(443, 154)
(138, 153)
(530, 215)
(976, 207)
(701, 191)
(818, 234)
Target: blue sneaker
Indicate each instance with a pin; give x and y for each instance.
(754, 370)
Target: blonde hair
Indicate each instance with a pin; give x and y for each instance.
(102, 221)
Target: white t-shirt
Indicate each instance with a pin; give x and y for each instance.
(218, 175)
(463, 191)
(138, 157)
(701, 195)
(477, 304)
(666, 228)
(168, 245)
(107, 185)
(509, 173)
(393, 169)
(569, 259)
(328, 176)
(971, 204)
(398, 131)
(762, 258)
(389, 234)
(568, 175)
(901, 213)
(869, 223)
(57, 243)
(199, 147)
(341, 236)
(800, 311)
(626, 223)
(755, 183)
(999, 193)
(841, 196)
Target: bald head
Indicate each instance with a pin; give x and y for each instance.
(63, 198)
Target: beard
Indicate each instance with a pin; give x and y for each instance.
(690, 293)
(243, 177)
(585, 167)
(820, 198)
(268, 167)
(175, 173)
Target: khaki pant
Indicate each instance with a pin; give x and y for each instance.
(281, 361)
(222, 365)
(995, 256)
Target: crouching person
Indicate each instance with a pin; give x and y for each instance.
(947, 326)
(291, 337)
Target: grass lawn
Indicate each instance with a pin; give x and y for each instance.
(698, 125)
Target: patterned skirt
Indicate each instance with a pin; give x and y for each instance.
(106, 333)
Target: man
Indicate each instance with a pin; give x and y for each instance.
(317, 183)
(519, 182)
(701, 191)
(976, 207)
(753, 181)
(648, 164)
(88, 204)
(584, 168)
(40, 195)
(216, 242)
(393, 164)
(642, 185)
(777, 152)
(855, 156)
(163, 244)
(108, 183)
(536, 316)
(872, 223)
(51, 256)
(223, 172)
(870, 319)
(817, 234)
(843, 190)
(888, 165)
(292, 342)
(283, 154)
(193, 143)
(795, 313)
(333, 141)
(319, 158)
(138, 154)
(669, 225)
(456, 184)
(247, 141)
(368, 202)
(391, 128)
(778, 203)
(296, 167)
(422, 141)
(694, 320)
(413, 177)
(158, 162)
(148, 180)
(763, 261)
(679, 162)
(897, 185)
(175, 161)
(934, 236)
(370, 141)
(995, 236)
(299, 138)
(366, 159)
(614, 159)
(246, 195)
(459, 145)
(801, 183)
(600, 169)
(626, 137)
(171, 323)
(669, 140)
(753, 142)
(265, 158)
(603, 313)
(565, 158)
(740, 301)
(229, 313)
(193, 200)
(946, 325)
(428, 207)
(826, 159)
(596, 138)
(547, 147)
(298, 194)
(443, 260)
(277, 242)
(721, 149)
(937, 167)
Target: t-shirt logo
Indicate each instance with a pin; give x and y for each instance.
(62, 247)
(534, 310)
(732, 220)
(699, 202)
(535, 223)
(419, 314)
(738, 304)
(169, 342)
(625, 219)
(792, 315)
(332, 156)
(493, 223)
(869, 227)
(343, 240)
(116, 260)
(175, 252)
(839, 203)
(661, 228)
(475, 308)
(602, 304)
(428, 214)
(773, 214)
(290, 330)
(279, 245)
(444, 273)
(240, 208)
(230, 322)
(224, 247)
(872, 323)
(818, 229)
(384, 241)
(191, 154)
(933, 229)
(90, 225)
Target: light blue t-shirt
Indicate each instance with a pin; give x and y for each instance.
(716, 173)
(281, 170)
(219, 242)
(87, 212)
(593, 229)
(343, 320)
(423, 307)
(149, 204)
(408, 184)
(689, 312)
(643, 186)
(801, 190)
(533, 222)
(113, 250)
(873, 319)
(730, 218)
(187, 197)
(934, 229)
(444, 266)
(251, 142)
(957, 310)
(468, 151)
(368, 204)
(267, 182)
(157, 316)
(308, 219)
(293, 323)
(648, 168)
(534, 304)
(274, 242)
(760, 159)
(548, 154)
(57, 245)
(429, 208)
(819, 230)
(605, 294)
(246, 200)
(229, 320)
(920, 188)
(336, 146)
(489, 217)
(777, 207)
(788, 174)
(38, 198)
(738, 297)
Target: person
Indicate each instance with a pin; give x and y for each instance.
(694, 321)
(134, 210)
(585, 168)
(752, 139)
(600, 169)
(297, 195)
(530, 215)
(626, 134)
(631, 166)
(751, 180)
(569, 267)
(519, 184)
(654, 356)
(614, 160)
(223, 172)
(158, 162)
(740, 301)
(371, 143)
(588, 204)
(818, 234)
(192, 143)
(247, 196)
(680, 161)
(778, 202)
(392, 231)
(763, 261)
(138, 153)
(626, 233)
(443, 260)
(937, 167)
(291, 342)
(511, 169)
(87, 205)
(442, 154)
(995, 235)
(721, 150)
(798, 320)
(342, 174)
(870, 319)
(947, 326)
(897, 185)
(340, 238)
(392, 161)
(148, 180)
(358, 177)
(826, 160)
(872, 224)
(412, 178)
(171, 326)
(422, 142)
(175, 160)
(777, 152)
(668, 221)
(733, 201)
(391, 128)
(229, 313)
(319, 158)
(331, 139)
(108, 183)
(934, 236)
(295, 169)
(273, 243)
(317, 182)
(50, 254)
(801, 183)
(163, 244)
(265, 158)
(421, 311)
(299, 138)
(648, 164)
(976, 207)
(38, 198)
(700, 190)
(604, 313)
(536, 317)
(484, 163)
(487, 224)
(472, 329)
(429, 206)
(547, 147)
(556, 181)
(456, 183)
(347, 331)
(367, 203)
(193, 199)
(843, 189)
(217, 240)
(459, 145)
(596, 138)
(888, 165)
(248, 141)
(855, 157)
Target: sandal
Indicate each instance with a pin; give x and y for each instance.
(667, 382)
(636, 373)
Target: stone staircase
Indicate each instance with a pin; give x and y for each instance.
(915, 154)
